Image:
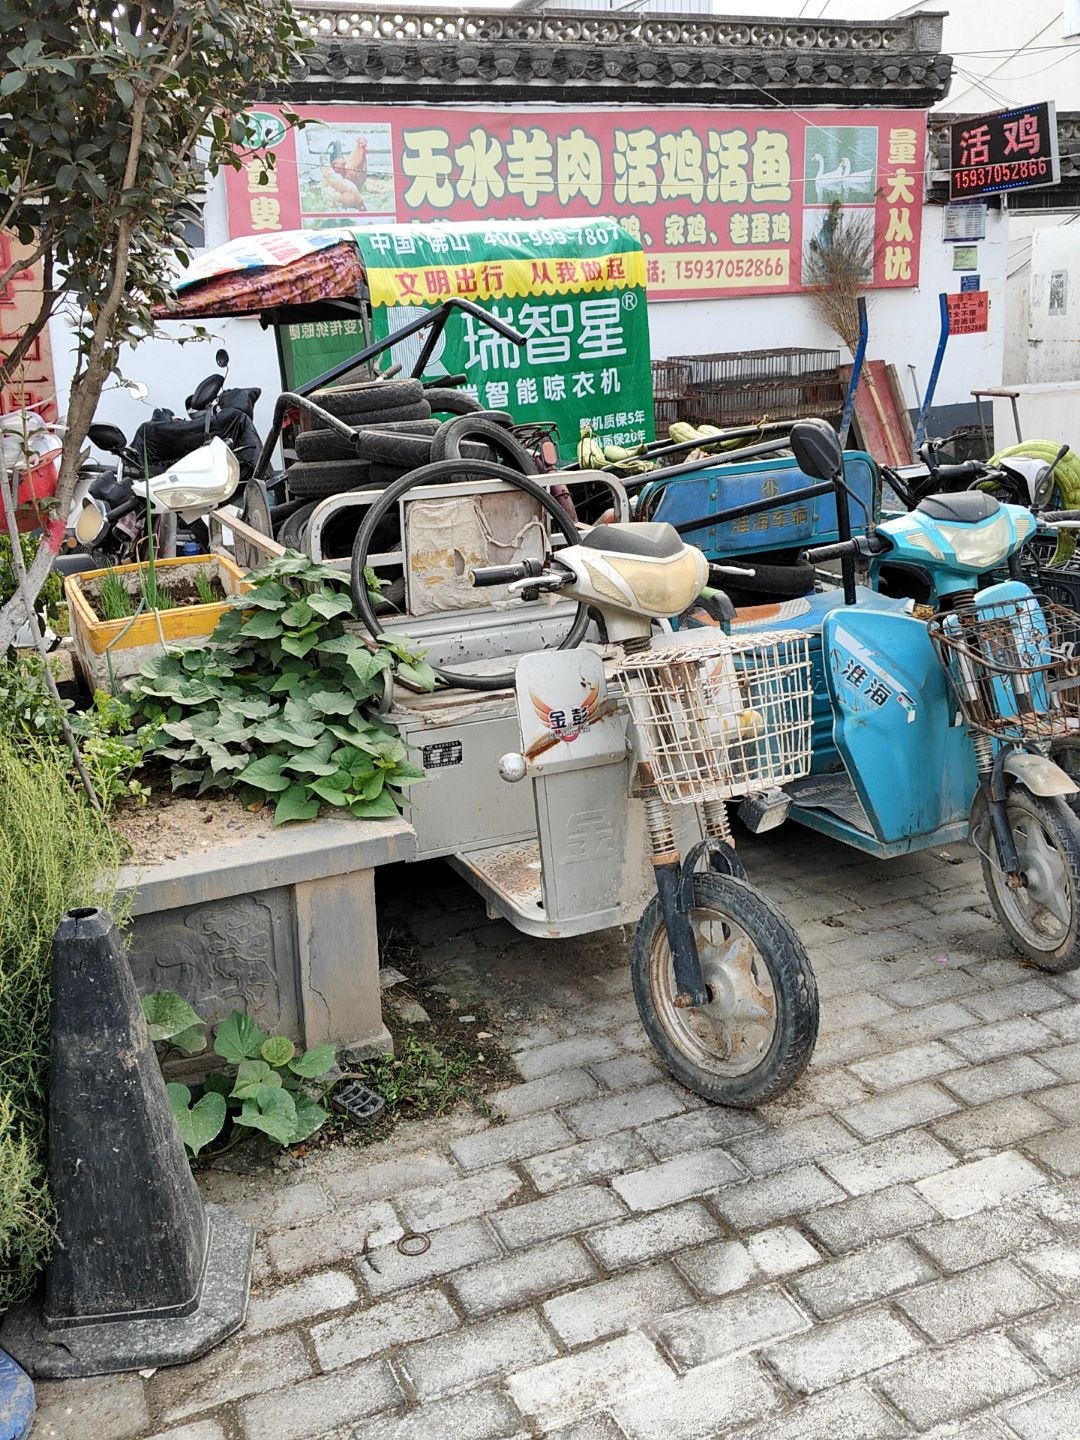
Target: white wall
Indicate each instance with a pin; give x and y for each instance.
(1047, 412)
(904, 324)
(1054, 305)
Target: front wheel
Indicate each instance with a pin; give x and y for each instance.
(1042, 918)
(754, 1038)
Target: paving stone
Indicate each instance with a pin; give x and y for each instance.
(677, 1179)
(1059, 1266)
(237, 1368)
(627, 1072)
(849, 1412)
(942, 1385)
(979, 1299)
(333, 1239)
(612, 1306)
(587, 1160)
(564, 1055)
(872, 1274)
(937, 984)
(854, 1009)
(563, 1212)
(593, 1427)
(1063, 1101)
(569, 1388)
(696, 1130)
(980, 1184)
(623, 1111)
(892, 1161)
(898, 1110)
(560, 1088)
(728, 1327)
(451, 1249)
(1058, 1151)
(1053, 1338)
(1064, 1021)
(269, 1210)
(782, 1251)
(1052, 1416)
(980, 1084)
(108, 1407)
(993, 1127)
(989, 1235)
(475, 1352)
(705, 1402)
(650, 1236)
(1030, 997)
(382, 1179)
(1064, 1061)
(762, 1202)
(903, 1067)
(512, 1141)
(314, 1295)
(767, 1151)
(830, 1354)
(479, 1415)
(335, 1399)
(1009, 1037)
(720, 1268)
(504, 1284)
(389, 1323)
(436, 1206)
(928, 1023)
(197, 1430)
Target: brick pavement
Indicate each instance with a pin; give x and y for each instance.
(893, 1250)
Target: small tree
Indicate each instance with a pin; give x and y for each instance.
(838, 268)
(110, 119)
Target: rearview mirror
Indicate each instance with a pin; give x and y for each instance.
(107, 437)
(816, 447)
(221, 359)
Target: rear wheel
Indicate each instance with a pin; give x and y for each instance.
(754, 1038)
(1042, 918)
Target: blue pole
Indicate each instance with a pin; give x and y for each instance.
(856, 373)
(920, 428)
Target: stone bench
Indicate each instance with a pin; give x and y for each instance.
(280, 925)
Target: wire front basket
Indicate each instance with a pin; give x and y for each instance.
(719, 717)
(1014, 667)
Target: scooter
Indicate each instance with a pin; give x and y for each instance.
(932, 732)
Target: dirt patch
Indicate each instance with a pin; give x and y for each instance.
(169, 827)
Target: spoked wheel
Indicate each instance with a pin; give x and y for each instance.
(1042, 919)
(754, 1038)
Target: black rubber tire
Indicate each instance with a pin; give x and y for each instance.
(371, 395)
(434, 474)
(793, 984)
(392, 416)
(451, 402)
(317, 479)
(291, 533)
(330, 445)
(1061, 827)
(383, 475)
(450, 440)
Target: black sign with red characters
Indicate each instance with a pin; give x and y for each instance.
(1009, 150)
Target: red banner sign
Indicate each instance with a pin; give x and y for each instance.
(726, 202)
(969, 312)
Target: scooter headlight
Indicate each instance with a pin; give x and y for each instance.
(981, 547)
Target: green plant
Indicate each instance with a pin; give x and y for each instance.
(50, 596)
(422, 1077)
(156, 595)
(272, 705)
(114, 602)
(205, 588)
(263, 1087)
(55, 853)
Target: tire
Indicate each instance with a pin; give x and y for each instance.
(687, 1040)
(291, 534)
(451, 402)
(329, 445)
(316, 480)
(451, 439)
(1047, 836)
(372, 395)
(391, 416)
(383, 475)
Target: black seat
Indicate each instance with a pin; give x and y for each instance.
(966, 507)
(654, 540)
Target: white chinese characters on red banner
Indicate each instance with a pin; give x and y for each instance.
(33, 386)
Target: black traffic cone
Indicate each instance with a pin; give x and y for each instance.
(143, 1274)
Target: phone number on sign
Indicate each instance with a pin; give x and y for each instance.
(980, 175)
(720, 269)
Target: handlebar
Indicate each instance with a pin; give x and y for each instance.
(965, 470)
(862, 545)
(506, 574)
(1059, 517)
(133, 502)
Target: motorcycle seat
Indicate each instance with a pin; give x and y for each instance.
(966, 507)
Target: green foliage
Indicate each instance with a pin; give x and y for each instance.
(273, 705)
(263, 1090)
(51, 594)
(113, 600)
(55, 853)
(421, 1078)
(111, 749)
(205, 588)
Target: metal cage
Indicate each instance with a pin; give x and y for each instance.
(1014, 667)
(720, 717)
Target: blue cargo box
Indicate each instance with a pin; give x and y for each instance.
(793, 524)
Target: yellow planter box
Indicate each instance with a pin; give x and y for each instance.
(113, 650)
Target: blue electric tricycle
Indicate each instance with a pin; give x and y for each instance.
(931, 730)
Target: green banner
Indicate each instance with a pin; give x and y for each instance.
(575, 291)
